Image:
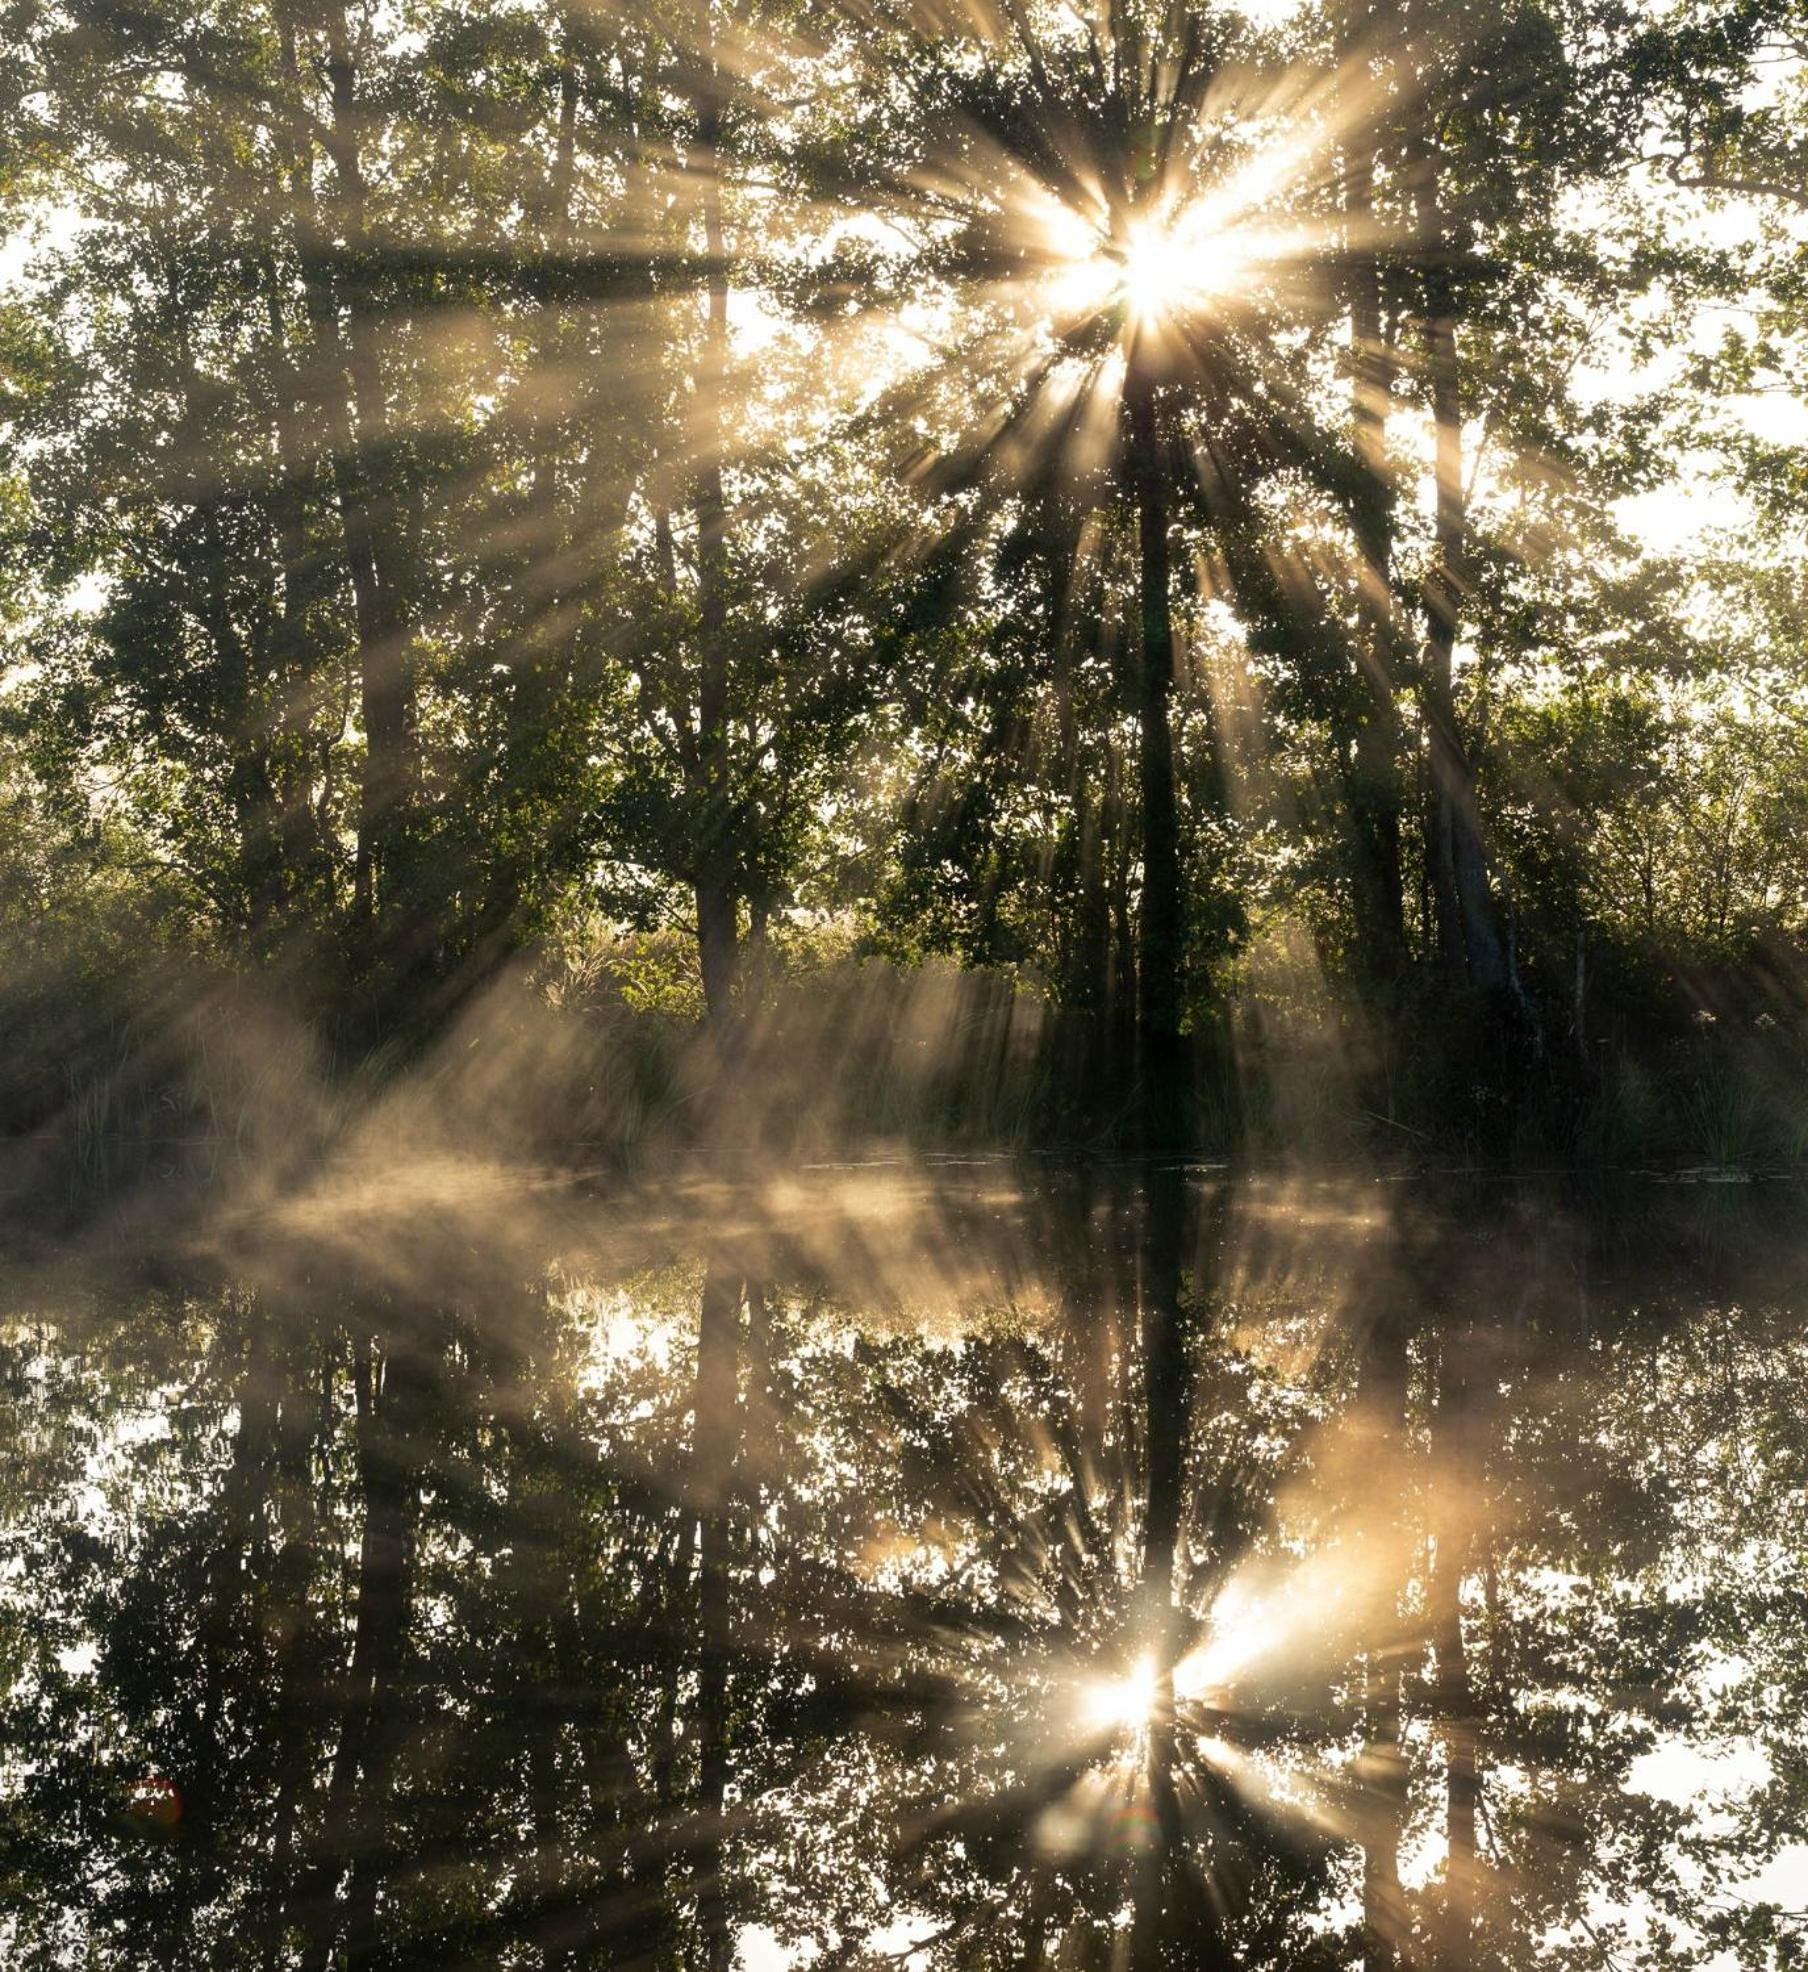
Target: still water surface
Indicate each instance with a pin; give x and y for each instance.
(909, 1567)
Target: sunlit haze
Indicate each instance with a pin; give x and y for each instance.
(904, 969)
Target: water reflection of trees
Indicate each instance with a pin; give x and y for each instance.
(1263, 1580)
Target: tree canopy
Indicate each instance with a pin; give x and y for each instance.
(1245, 522)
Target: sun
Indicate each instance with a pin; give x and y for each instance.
(1123, 1703)
(1156, 272)
(1154, 269)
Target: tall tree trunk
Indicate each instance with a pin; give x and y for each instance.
(241, 660)
(1375, 787)
(540, 662)
(1469, 937)
(1166, 1107)
(1117, 865)
(257, 822)
(556, 237)
(306, 857)
(715, 1440)
(1078, 870)
(354, 414)
(386, 686)
(715, 872)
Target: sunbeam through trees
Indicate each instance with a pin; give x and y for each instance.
(905, 995)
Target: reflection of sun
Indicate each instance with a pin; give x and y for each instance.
(1121, 1704)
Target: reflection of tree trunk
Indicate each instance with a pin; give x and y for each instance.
(304, 1420)
(390, 1420)
(758, 1445)
(540, 1692)
(1165, 1391)
(1035, 1925)
(1381, 1769)
(1384, 1812)
(1162, 1901)
(555, 1924)
(1095, 1333)
(634, 1914)
(715, 1438)
(1179, 1915)
(1458, 1476)
(392, 1487)
(1166, 1111)
(231, 1573)
(618, 1819)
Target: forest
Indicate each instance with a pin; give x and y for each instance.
(903, 985)
(1237, 565)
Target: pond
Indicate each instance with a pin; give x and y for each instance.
(910, 1566)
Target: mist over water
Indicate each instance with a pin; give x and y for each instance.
(940, 1564)
(730, 736)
